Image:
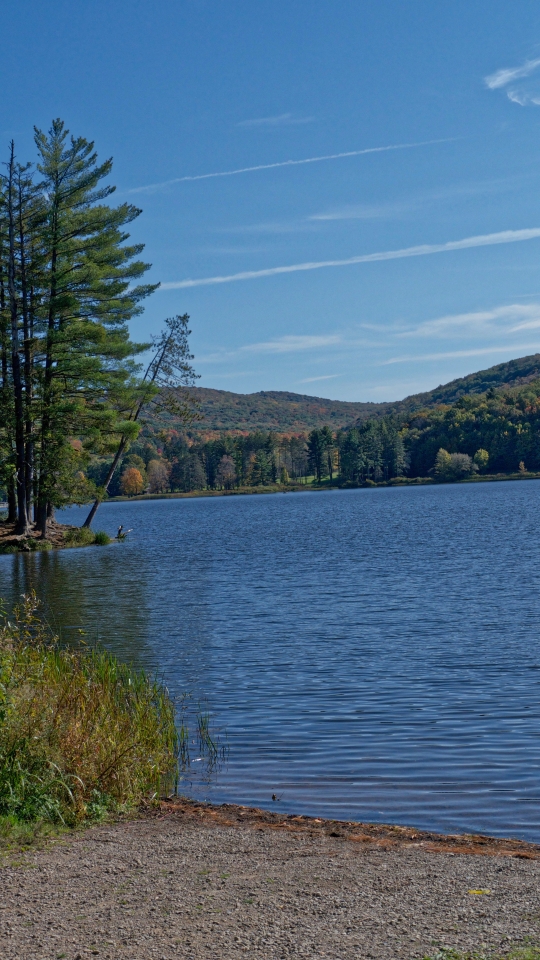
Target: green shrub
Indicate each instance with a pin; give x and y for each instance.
(79, 537)
(80, 733)
(102, 539)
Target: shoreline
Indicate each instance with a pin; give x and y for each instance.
(201, 882)
(63, 536)
(60, 536)
(325, 486)
(383, 835)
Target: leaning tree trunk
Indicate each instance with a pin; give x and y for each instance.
(108, 478)
(153, 367)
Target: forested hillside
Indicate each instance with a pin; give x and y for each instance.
(495, 432)
(285, 412)
(514, 373)
(277, 410)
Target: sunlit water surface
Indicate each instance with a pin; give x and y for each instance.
(368, 654)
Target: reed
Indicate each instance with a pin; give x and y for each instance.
(80, 733)
(210, 744)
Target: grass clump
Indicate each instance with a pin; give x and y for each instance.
(525, 952)
(23, 833)
(85, 537)
(80, 733)
(102, 539)
(79, 537)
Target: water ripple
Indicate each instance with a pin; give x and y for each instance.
(371, 654)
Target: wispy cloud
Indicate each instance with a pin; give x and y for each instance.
(232, 251)
(376, 211)
(501, 78)
(517, 350)
(507, 319)
(397, 208)
(149, 188)
(524, 97)
(523, 93)
(269, 227)
(282, 120)
(484, 240)
(362, 211)
(291, 344)
(329, 376)
(301, 343)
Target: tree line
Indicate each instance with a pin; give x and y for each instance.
(497, 432)
(504, 424)
(161, 461)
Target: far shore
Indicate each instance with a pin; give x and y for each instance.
(67, 536)
(326, 485)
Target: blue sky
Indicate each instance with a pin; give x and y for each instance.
(419, 250)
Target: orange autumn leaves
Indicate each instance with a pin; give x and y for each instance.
(132, 482)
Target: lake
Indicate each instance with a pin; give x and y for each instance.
(368, 654)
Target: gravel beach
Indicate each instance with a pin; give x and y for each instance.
(193, 881)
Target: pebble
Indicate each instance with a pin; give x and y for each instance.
(154, 889)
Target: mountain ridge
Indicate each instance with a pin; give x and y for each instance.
(286, 412)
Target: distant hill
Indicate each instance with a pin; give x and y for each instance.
(277, 410)
(514, 373)
(295, 412)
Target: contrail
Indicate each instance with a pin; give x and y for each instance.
(484, 240)
(290, 163)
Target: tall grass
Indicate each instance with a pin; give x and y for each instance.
(84, 537)
(79, 731)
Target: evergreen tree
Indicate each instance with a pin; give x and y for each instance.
(88, 297)
(317, 445)
(327, 440)
(68, 286)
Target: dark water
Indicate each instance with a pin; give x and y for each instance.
(371, 654)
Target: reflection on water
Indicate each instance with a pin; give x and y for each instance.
(371, 654)
(77, 595)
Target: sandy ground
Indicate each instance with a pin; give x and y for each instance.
(192, 881)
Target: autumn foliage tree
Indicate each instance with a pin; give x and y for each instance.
(131, 482)
(158, 476)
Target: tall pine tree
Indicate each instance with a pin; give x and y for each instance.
(69, 284)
